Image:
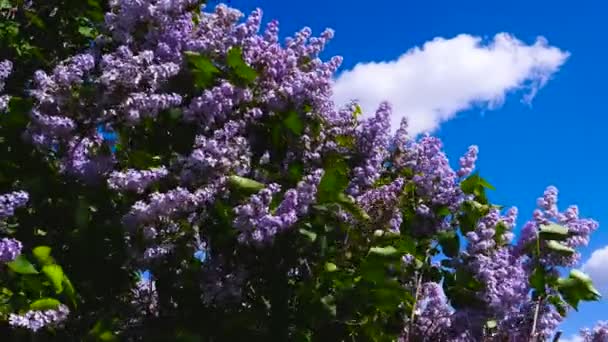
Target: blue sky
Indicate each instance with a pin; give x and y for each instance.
(556, 140)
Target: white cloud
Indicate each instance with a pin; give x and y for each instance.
(573, 338)
(597, 268)
(432, 84)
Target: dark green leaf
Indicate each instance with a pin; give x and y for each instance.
(538, 279)
(202, 68)
(450, 243)
(200, 62)
(102, 331)
(578, 286)
(559, 304)
(22, 266)
(352, 207)
(294, 123)
(334, 181)
(295, 171)
(235, 61)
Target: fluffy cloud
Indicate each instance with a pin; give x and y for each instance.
(431, 84)
(597, 268)
(573, 338)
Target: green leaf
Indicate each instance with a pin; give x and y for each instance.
(43, 255)
(140, 159)
(102, 332)
(553, 232)
(350, 206)
(450, 243)
(559, 304)
(578, 286)
(538, 279)
(294, 123)
(86, 31)
(475, 185)
(235, 61)
(580, 276)
(69, 291)
(357, 111)
(559, 248)
(55, 275)
(310, 235)
(246, 184)
(384, 251)
(45, 304)
(330, 267)
(334, 181)
(345, 141)
(501, 228)
(295, 171)
(329, 304)
(443, 211)
(200, 62)
(202, 68)
(22, 266)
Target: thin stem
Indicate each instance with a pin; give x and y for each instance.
(413, 313)
(535, 321)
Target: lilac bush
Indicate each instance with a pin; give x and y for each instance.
(195, 145)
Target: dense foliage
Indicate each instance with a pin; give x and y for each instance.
(188, 144)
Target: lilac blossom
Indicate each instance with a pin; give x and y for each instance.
(433, 314)
(35, 320)
(6, 67)
(136, 180)
(599, 333)
(547, 212)
(467, 162)
(9, 249)
(11, 201)
(256, 221)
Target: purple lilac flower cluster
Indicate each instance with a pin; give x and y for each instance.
(547, 212)
(130, 82)
(382, 204)
(35, 320)
(433, 314)
(599, 333)
(135, 180)
(5, 70)
(372, 139)
(11, 201)
(9, 249)
(256, 220)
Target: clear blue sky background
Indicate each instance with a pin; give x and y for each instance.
(559, 140)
